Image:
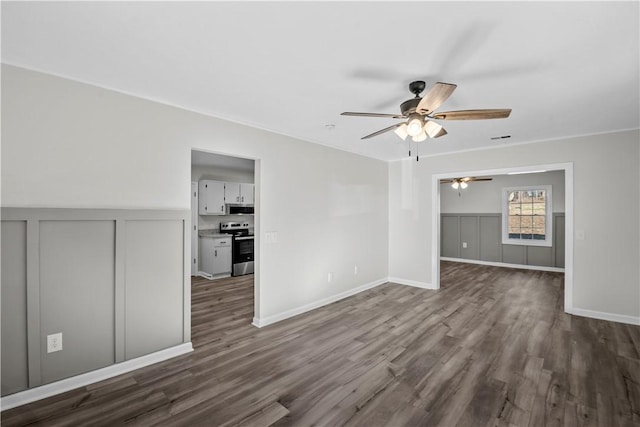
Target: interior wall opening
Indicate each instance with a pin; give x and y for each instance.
(224, 218)
(514, 217)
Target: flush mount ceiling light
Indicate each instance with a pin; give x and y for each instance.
(419, 113)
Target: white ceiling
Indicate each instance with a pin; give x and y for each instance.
(566, 69)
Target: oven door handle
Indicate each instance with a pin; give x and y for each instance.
(244, 238)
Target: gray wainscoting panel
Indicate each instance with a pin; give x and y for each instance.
(483, 234)
(490, 244)
(469, 235)
(112, 281)
(450, 237)
(77, 296)
(15, 373)
(559, 244)
(540, 255)
(514, 254)
(154, 273)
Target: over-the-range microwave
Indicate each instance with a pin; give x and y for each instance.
(239, 209)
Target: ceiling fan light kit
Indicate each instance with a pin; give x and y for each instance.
(419, 113)
(462, 183)
(414, 125)
(401, 131)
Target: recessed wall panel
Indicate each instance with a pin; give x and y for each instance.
(490, 244)
(558, 237)
(514, 254)
(14, 307)
(77, 296)
(539, 255)
(469, 237)
(154, 258)
(450, 237)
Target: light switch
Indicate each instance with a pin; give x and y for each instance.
(271, 237)
(464, 245)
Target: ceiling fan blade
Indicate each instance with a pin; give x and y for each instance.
(393, 116)
(446, 181)
(381, 131)
(481, 179)
(473, 114)
(433, 129)
(435, 96)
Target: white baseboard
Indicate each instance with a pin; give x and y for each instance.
(47, 390)
(205, 275)
(261, 322)
(611, 317)
(414, 283)
(504, 264)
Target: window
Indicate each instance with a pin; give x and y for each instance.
(526, 215)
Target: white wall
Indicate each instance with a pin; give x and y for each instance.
(606, 276)
(67, 144)
(486, 196)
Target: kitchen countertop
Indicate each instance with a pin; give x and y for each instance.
(212, 233)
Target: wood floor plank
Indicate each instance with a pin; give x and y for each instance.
(492, 347)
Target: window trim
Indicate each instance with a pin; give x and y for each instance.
(548, 223)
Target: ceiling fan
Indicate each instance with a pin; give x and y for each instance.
(462, 183)
(420, 114)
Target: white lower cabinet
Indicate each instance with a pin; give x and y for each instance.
(215, 255)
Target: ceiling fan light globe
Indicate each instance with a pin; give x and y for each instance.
(455, 185)
(420, 137)
(463, 185)
(401, 131)
(414, 127)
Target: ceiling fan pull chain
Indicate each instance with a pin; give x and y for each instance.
(417, 151)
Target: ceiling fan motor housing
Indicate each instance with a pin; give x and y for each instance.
(409, 107)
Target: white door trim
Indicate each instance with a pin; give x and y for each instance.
(568, 233)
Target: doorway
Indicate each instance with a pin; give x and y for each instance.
(438, 188)
(225, 201)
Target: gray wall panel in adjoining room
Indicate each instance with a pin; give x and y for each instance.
(14, 307)
(514, 254)
(153, 294)
(77, 296)
(450, 237)
(483, 234)
(558, 231)
(490, 244)
(469, 235)
(540, 255)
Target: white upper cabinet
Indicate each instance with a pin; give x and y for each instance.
(239, 193)
(246, 194)
(211, 197)
(232, 192)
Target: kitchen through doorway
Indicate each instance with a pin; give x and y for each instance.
(223, 220)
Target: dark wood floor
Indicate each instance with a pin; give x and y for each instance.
(491, 348)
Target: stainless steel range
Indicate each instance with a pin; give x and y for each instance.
(241, 247)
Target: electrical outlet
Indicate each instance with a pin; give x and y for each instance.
(54, 342)
(355, 270)
(330, 277)
(464, 245)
